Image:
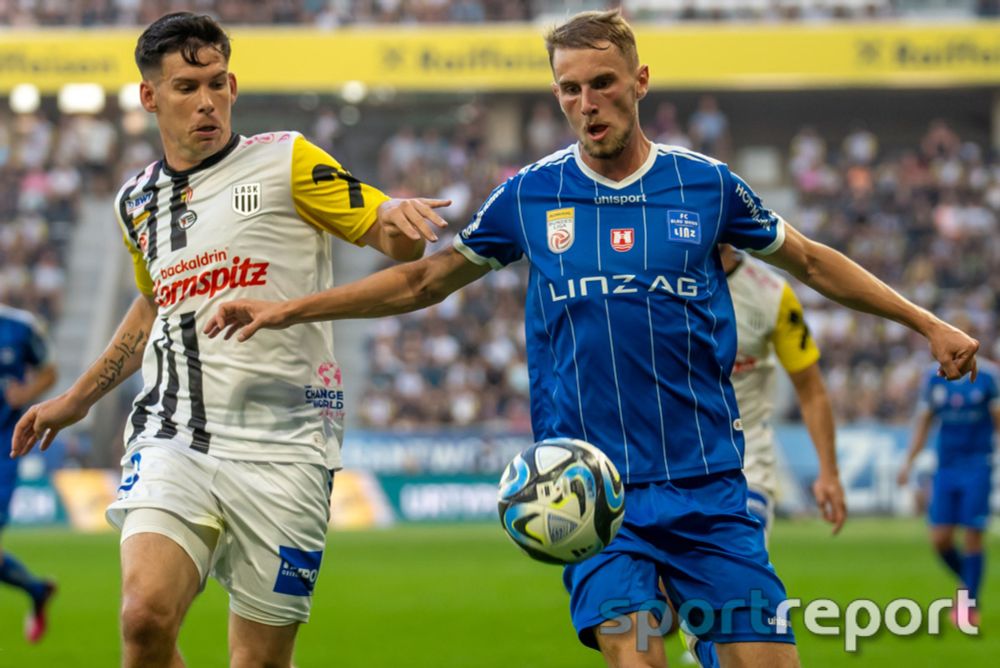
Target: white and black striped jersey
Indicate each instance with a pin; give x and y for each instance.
(248, 222)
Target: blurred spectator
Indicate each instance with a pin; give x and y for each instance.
(709, 129)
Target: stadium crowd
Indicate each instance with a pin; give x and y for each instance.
(905, 214)
(334, 13)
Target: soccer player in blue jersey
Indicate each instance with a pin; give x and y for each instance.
(968, 415)
(25, 375)
(628, 295)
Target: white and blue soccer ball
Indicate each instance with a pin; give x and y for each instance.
(561, 500)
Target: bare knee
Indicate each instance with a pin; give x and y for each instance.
(973, 541)
(146, 622)
(942, 539)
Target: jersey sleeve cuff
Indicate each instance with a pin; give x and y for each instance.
(474, 257)
(779, 239)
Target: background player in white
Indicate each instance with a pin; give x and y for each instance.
(230, 454)
(661, 207)
(771, 326)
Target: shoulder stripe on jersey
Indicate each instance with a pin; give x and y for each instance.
(520, 215)
(562, 154)
(677, 169)
(168, 428)
(645, 228)
(656, 382)
(199, 420)
(668, 149)
(618, 390)
(597, 210)
(141, 408)
(178, 207)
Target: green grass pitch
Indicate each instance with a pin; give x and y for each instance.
(462, 597)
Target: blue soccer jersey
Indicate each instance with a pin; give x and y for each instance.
(21, 347)
(965, 411)
(630, 327)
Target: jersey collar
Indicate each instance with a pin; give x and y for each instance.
(605, 181)
(213, 159)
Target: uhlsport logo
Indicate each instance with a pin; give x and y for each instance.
(246, 198)
(298, 571)
(561, 229)
(622, 239)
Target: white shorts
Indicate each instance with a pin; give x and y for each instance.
(269, 520)
(760, 504)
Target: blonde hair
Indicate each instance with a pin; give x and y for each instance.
(588, 30)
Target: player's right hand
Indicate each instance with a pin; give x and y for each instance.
(954, 350)
(44, 421)
(244, 317)
(903, 476)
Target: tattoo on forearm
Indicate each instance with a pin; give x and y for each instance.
(129, 345)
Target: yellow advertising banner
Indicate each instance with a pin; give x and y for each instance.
(514, 58)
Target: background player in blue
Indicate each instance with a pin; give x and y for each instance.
(25, 375)
(628, 297)
(968, 415)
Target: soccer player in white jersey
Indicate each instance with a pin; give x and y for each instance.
(771, 327)
(230, 452)
(627, 297)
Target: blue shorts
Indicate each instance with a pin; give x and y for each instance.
(961, 497)
(8, 476)
(697, 535)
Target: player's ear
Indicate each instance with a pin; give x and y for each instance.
(233, 88)
(555, 89)
(642, 82)
(147, 96)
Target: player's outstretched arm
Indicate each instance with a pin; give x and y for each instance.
(120, 359)
(917, 442)
(398, 289)
(839, 278)
(817, 413)
(403, 226)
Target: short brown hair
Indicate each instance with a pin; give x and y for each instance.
(181, 31)
(587, 30)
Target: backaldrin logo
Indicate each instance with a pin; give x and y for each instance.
(298, 571)
(243, 272)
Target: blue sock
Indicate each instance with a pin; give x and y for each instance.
(705, 651)
(15, 574)
(972, 572)
(953, 559)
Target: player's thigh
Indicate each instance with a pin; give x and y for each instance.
(276, 521)
(159, 580)
(624, 644)
(252, 644)
(757, 655)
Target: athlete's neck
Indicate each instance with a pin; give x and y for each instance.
(177, 161)
(626, 163)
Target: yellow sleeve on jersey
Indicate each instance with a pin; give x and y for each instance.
(326, 195)
(143, 280)
(793, 343)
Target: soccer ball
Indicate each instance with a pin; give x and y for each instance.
(561, 500)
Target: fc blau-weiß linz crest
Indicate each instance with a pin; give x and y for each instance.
(246, 198)
(561, 229)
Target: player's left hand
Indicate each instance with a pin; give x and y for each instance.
(954, 350)
(830, 499)
(244, 317)
(413, 218)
